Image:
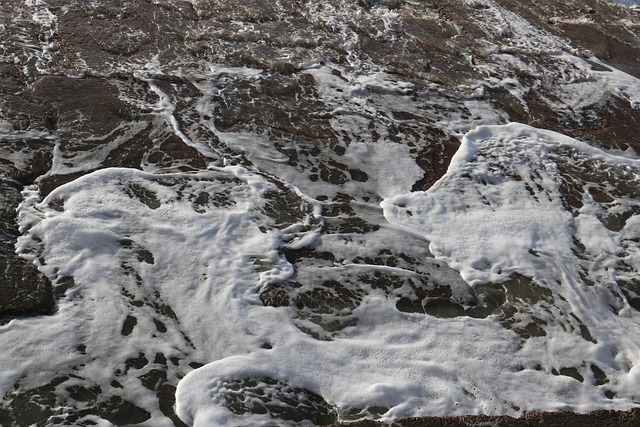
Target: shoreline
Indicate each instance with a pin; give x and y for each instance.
(600, 418)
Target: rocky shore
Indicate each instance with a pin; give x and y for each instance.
(44, 95)
(82, 82)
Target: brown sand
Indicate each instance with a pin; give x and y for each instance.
(547, 419)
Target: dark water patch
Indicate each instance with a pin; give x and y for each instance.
(569, 372)
(341, 217)
(282, 105)
(40, 406)
(50, 182)
(24, 291)
(142, 254)
(134, 151)
(329, 297)
(612, 194)
(585, 333)
(115, 30)
(286, 207)
(617, 49)
(322, 310)
(128, 325)
(352, 225)
(600, 196)
(137, 363)
(513, 302)
(75, 112)
(325, 305)
(609, 125)
(504, 101)
(384, 4)
(277, 399)
(146, 196)
(631, 291)
(205, 201)
(62, 285)
(277, 295)
(302, 255)
(433, 152)
(31, 407)
(162, 308)
(82, 394)
(178, 146)
(121, 412)
(21, 108)
(10, 198)
(600, 378)
(160, 326)
(421, 293)
(617, 221)
(156, 380)
(340, 205)
(370, 412)
(88, 124)
(34, 158)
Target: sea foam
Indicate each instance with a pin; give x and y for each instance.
(497, 212)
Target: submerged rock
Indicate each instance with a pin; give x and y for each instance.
(277, 399)
(23, 289)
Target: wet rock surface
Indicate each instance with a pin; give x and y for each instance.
(560, 419)
(279, 400)
(120, 84)
(23, 289)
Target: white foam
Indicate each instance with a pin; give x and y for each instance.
(201, 268)
(420, 365)
(209, 263)
(487, 224)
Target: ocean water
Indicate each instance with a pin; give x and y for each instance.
(304, 233)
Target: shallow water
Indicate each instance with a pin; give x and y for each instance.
(318, 212)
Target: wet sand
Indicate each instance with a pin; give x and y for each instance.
(629, 418)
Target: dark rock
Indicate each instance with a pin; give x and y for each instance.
(600, 418)
(23, 289)
(280, 400)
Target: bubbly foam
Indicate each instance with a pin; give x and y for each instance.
(498, 211)
(271, 288)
